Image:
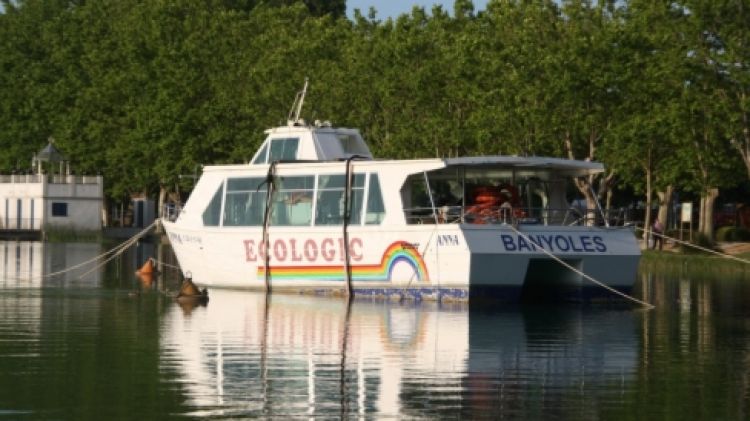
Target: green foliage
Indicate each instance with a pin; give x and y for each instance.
(732, 234)
(145, 91)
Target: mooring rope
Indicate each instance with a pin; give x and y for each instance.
(270, 192)
(115, 251)
(163, 263)
(601, 284)
(348, 174)
(707, 250)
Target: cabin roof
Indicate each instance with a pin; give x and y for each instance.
(559, 165)
(568, 166)
(311, 129)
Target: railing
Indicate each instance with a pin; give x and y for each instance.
(572, 216)
(171, 211)
(74, 179)
(516, 215)
(20, 223)
(21, 178)
(52, 179)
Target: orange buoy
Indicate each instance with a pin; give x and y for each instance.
(147, 267)
(147, 279)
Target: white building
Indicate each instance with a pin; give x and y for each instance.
(55, 199)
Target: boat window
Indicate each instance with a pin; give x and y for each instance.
(417, 204)
(330, 201)
(261, 157)
(536, 198)
(245, 201)
(283, 149)
(375, 207)
(212, 214)
(292, 205)
(351, 145)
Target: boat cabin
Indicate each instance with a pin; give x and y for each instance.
(310, 187)
(496, 189)
(321, 142)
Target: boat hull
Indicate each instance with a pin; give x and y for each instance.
(442, 262)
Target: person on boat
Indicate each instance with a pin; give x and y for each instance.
(506, 210)
(658, 229)
(446, 202)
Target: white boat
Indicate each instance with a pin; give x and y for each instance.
(443, 228)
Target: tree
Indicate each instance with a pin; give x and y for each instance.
(586, 96)
(724, 45)
(335, 8)
(649, 131)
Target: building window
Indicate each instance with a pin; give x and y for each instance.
(59, 209)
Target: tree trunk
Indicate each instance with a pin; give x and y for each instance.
(604, 193)
(591, 207)
(665, 204)
(162, 199)
(706, 218)
(744, 146)
(585, 184)
(647, 217)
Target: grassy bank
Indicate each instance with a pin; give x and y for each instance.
(694, 261)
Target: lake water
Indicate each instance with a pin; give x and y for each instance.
(108, 345)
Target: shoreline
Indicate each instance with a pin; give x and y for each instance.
(730, 248)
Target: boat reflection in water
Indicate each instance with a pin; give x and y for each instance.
(246, 354)
(25, 264)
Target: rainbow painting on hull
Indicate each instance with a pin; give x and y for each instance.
(397, 252)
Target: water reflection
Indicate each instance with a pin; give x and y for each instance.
(696, 347)
(244, 355)
(33, 264)
(26, 264)
(126, 349)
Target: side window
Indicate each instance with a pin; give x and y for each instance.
(212, 213)
(292, 205)
(283, 149)
(246, 201)
(375, 208)
(351, 145)
(329, 209)
(261, 157)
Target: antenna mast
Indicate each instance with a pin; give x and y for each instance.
(297, 106)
